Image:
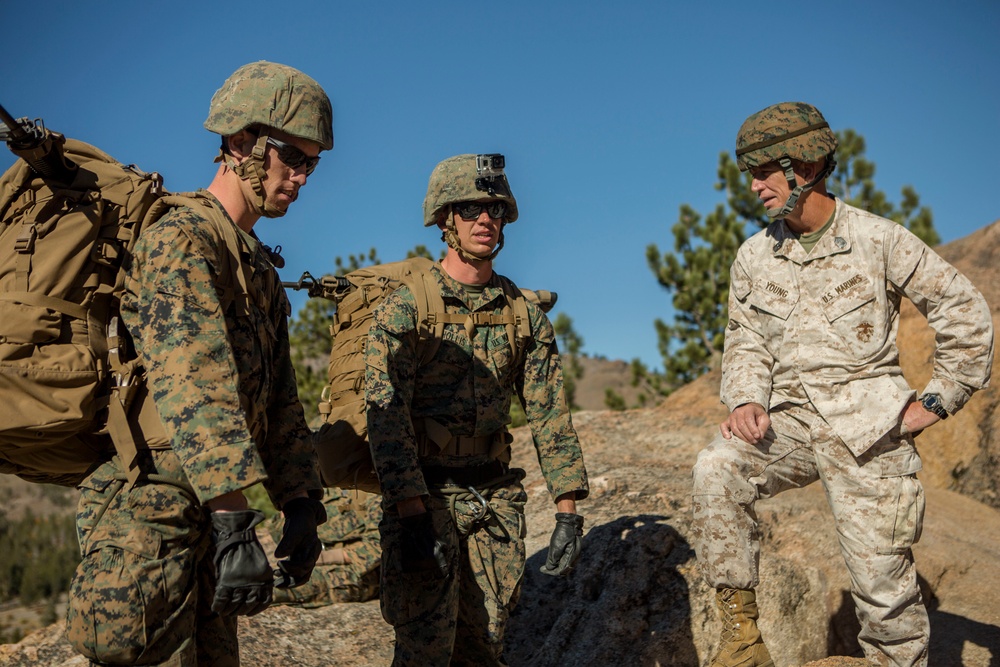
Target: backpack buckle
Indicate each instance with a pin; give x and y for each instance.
(105, 252)
(25, 242)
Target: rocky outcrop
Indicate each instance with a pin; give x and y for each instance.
(636, 597)
(963, 452)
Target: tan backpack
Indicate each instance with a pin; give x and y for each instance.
(342, 440)
(65, 381)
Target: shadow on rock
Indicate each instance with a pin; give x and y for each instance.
(949, 632)
(626, 603)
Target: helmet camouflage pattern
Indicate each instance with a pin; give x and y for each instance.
(468, 177)
(793, 129)
(275, 95)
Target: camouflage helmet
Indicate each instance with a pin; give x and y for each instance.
(468, 177)
(789, 129)
(275, 95)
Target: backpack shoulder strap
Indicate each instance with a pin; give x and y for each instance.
(233, 278)
(431, 315)
(519, 330)
(430, 306)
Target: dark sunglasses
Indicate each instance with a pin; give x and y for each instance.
(470, 210)
(293, 157)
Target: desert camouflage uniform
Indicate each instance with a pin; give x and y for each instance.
(466, 388)
(812, 338)
(225, 390)
(351, 530)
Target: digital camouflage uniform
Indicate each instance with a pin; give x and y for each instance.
(224, 387)
(465, 390)
(351, 531)
(812, 338)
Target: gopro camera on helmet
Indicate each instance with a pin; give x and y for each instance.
(489, 174)
(490, 165)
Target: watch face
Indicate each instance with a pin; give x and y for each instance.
(932, 403)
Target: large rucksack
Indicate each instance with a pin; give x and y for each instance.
(342, 440)
(67, 380)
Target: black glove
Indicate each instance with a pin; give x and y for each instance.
(564, 546)
(243, 575)
(421, 549)
(299, 542)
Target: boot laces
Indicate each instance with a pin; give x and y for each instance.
(730, 626)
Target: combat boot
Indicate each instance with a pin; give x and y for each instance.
(741, 644)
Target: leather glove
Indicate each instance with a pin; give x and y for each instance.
(564, 546)
(243, 575)
(299, 542)
(421, 549)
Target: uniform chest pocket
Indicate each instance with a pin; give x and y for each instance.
(453, 358)
(855, 316)
(500, 354)
(773, 300)
(773, 305)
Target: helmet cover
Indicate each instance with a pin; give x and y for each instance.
(468, 177)
(793, 129)
(275, 95)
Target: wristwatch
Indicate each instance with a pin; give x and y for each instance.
(932, 403)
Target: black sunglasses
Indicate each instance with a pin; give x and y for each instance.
(470, 210)
(293, 157)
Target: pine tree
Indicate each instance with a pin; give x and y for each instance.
(570, 346)
(854, 182)
(697, 274)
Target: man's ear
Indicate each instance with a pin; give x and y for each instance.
(442, 218)
(810, 170)
(241, 144)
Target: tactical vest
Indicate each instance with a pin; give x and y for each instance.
(342, 440)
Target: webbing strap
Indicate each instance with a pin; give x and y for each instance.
(433, 439)
(471, 320)
(44, 301)
(25, 247)
(121, 436)
(239, 293)
(234, 269)
(519, 333)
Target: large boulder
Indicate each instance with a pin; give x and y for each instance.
(636, 597)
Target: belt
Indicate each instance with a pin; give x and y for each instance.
(464, 476)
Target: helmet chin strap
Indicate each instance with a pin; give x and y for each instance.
(798, 190)
(450, 236)
(252, 169)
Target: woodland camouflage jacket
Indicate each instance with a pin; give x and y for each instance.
(222, 382)
(467, 387)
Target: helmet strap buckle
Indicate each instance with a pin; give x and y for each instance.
(798, 190)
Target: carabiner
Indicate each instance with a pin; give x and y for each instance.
(484, 506)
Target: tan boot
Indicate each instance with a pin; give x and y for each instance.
(741, 644)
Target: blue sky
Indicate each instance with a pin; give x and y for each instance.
(611, 115)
